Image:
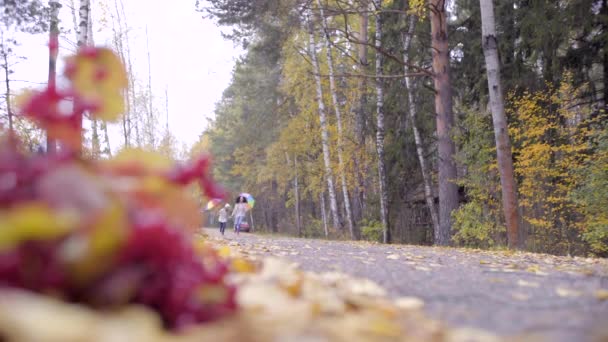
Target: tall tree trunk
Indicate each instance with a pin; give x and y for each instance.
(95, 145)
(51, 145)
(296, 190)
(499, 119)
(150, 119)
(125, 53)
(448, 191)
(324, 214)
(409, 88)
(338, 111)
(85, 7)
(604, 15)
(386, 234)
(360, 110)
(106, 139)
(323, 122)
(7, 81)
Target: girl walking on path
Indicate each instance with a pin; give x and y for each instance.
(223, 217)
(240, 209)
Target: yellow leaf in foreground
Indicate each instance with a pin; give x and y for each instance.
(601, 294)
(242, 266)
(33, 221)
(224, 251)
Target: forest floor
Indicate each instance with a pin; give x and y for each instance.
(512, 295)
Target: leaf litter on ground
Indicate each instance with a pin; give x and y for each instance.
(278, 302)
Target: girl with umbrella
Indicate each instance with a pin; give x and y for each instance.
(240, 209)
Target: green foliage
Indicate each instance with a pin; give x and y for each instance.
(479, 222)
(592, 195)
(473, 227)
(371, 230)
(313, 229)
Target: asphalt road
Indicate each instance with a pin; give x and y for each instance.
(519, 295)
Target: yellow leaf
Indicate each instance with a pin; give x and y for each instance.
(33, 221)
(601, 294)
(211, 294)
(138, 161)
(224, 251)
(99, 77)
(242, 266)
(91, 252)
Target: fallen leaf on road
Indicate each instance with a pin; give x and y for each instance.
(393, 256)
(564, 292)
(601, 294)
(409, 303)
(520, 296)
(524, 283)
(422, 268)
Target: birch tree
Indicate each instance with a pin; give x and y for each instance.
(83, 25)
(338, 111)
(499, 120)
(51, 145)
(5, 53)
(410, 88)
(323, 122)
(360, 109)
(386, 236)
(448, 191)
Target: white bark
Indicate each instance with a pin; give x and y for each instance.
(95, 145)
(121, 40)
(324, 215)
(386, 238)
(85, 7)
(409, 87)
(150, 120)
(5, 66)
(51, 145)
(338, 111)
(499, 119)
(324, 130)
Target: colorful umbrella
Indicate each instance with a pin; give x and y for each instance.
(214, 202)
(249, 198)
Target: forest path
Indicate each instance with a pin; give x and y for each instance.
(512, 294)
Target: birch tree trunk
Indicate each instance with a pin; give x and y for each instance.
(499, 119)
(360, 109)
(296, 190)
(106, 139)
(323, 122)
(85, 7)
(386, 236)
(409, 88)
(448, 191)
(51, 145)
(150, 120)
(324, 214)
(7, 82)
(121, 40)
(95, 145)
(338, 111)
